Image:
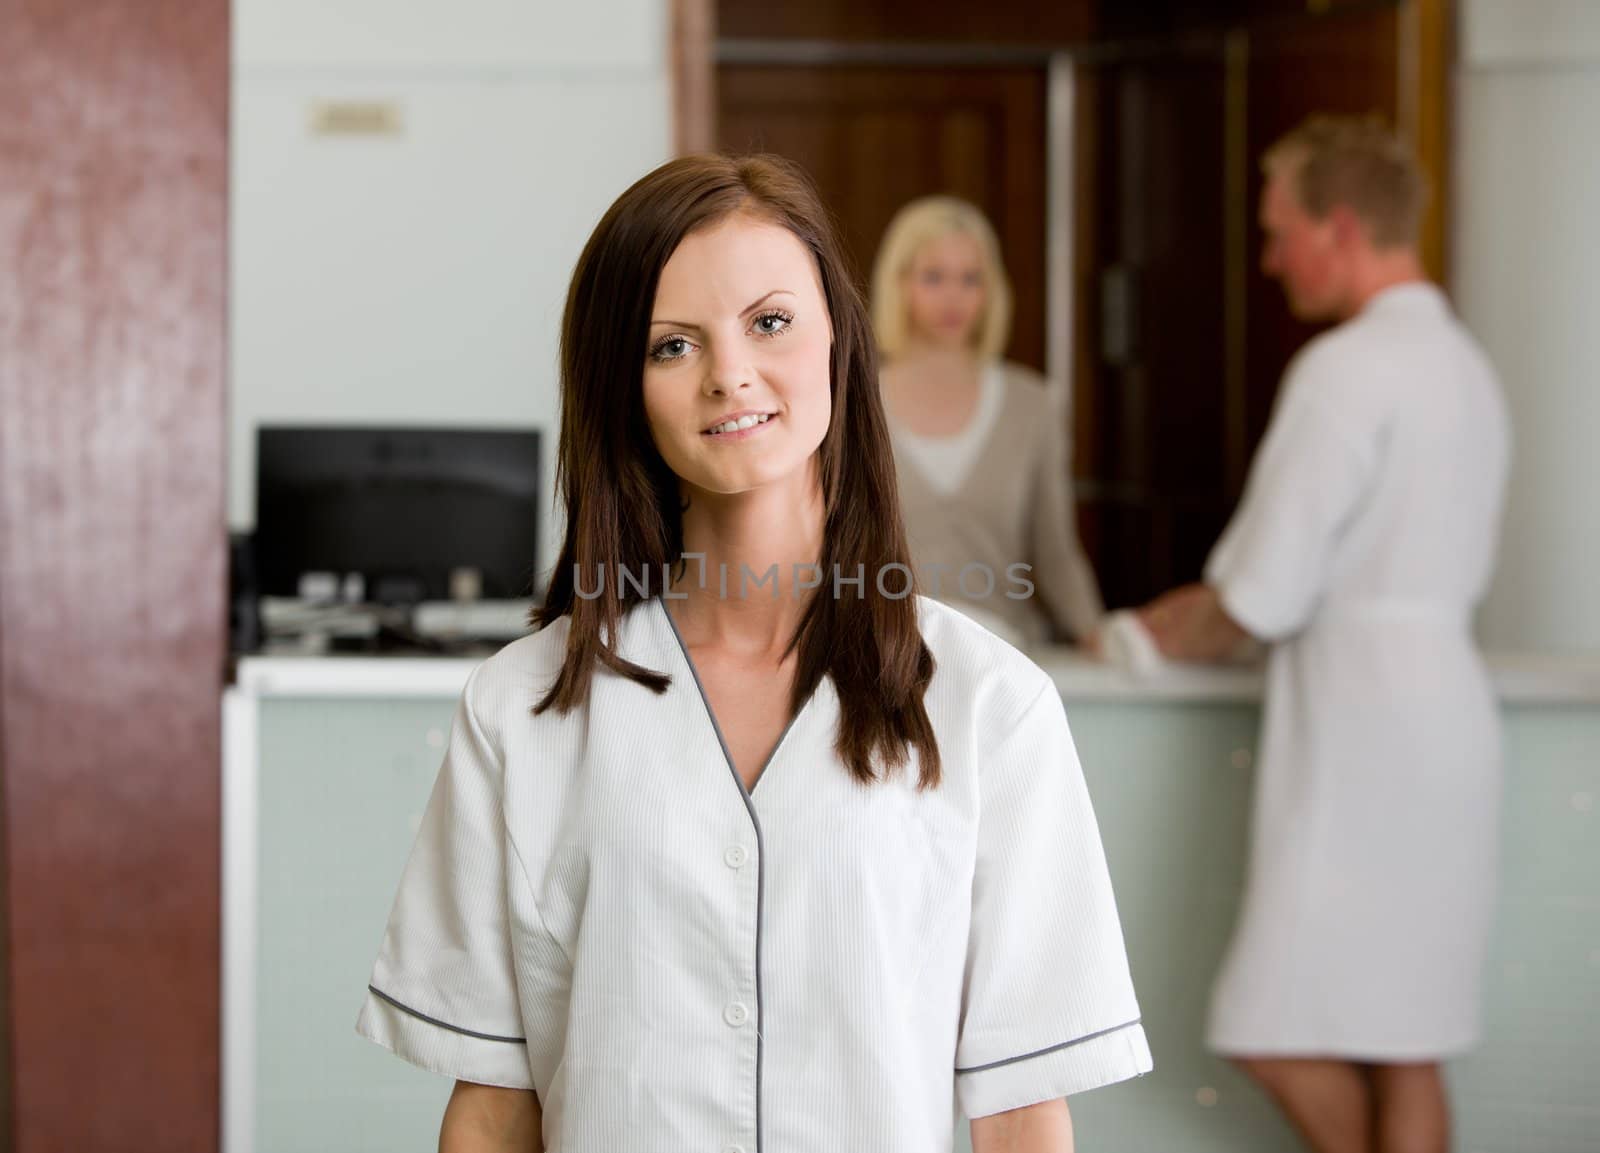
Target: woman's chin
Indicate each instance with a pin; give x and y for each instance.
(948, 340)
(758, 477)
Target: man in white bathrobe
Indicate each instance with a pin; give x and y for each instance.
(1365, 538)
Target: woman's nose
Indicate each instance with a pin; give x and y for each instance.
(727, 371)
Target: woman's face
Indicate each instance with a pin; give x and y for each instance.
(944, 291)
(737, 367)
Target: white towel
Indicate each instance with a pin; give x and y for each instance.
(1128, 645)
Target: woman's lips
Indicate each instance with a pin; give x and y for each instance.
(740, 433)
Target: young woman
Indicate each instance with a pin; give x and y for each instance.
(760, 867)
(981, 443)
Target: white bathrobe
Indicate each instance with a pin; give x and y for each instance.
(1365, 538)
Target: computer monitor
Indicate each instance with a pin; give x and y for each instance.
(404, 507)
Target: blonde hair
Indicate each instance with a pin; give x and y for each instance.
(1360, 164)
(917, 223)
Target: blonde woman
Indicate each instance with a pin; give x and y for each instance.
(980, 443)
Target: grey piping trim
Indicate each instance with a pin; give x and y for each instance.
(761, 848)
(377, 992)
(1051, 1049)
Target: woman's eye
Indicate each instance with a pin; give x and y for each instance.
(772, 323)
(670, 349)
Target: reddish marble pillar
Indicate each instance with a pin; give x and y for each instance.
(113, 211)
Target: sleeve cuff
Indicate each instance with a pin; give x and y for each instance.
(1072, 1067)
(441, 1048)
(1240, 601)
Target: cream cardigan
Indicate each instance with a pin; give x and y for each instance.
(1014, 506)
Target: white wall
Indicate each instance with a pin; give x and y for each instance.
(1527, 281)
(418, 277)
(442, 35)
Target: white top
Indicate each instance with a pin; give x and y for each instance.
(946, 461)
(1365, 538)
(595, 908)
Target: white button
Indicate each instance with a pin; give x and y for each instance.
(736, 856)
(733, 1149)
(736, 1014)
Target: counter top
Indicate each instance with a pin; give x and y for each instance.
(1521, 678)
(350, 676)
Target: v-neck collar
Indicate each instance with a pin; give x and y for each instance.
(716, 728)
(968, 446)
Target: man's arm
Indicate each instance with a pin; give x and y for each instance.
(1042, 1128)
(1190, 624)
(487, 1119)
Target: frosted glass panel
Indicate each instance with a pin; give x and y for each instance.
(343, 783)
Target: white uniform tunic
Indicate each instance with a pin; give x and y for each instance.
(596, 909)
(1365, 538)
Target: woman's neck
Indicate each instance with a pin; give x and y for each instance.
(955, 359)
(752, 586)
(932, 390)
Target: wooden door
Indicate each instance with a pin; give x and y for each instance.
(1182, 342)
(1150, 374)
(875, 136)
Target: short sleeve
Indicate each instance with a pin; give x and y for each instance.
(1313, 468)
(443, 991)
(1048, 1007)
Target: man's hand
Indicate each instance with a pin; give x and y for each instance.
(1190, 624)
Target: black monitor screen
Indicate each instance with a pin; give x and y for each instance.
(403, 507)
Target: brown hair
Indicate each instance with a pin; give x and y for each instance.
(622, 501)
(1357, 163)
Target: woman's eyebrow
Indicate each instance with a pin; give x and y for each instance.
(748, 309)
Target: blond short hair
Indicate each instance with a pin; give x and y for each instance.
(917, 223)
(1360, 164)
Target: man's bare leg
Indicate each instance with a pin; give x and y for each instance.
(1330, 1103)
(1412, 1109)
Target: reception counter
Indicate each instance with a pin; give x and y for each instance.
(329, 761)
